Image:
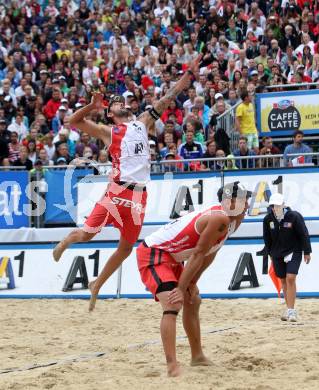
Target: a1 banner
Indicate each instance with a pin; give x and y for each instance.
(236, 265)
(300, 187)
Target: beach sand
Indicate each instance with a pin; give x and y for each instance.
(249, 345)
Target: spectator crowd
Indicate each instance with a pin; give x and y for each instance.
(54, 54)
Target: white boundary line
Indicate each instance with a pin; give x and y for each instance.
(95, 355)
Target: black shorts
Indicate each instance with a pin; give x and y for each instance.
(292, 267)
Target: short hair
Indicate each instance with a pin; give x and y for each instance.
(172, 145)
(243, 138)
(297, 132)
(243, 95)
(212, 140)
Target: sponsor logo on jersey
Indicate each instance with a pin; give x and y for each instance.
(127, 203)
(139, 147)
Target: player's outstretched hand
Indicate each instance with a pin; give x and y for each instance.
(97, 101)
(194, 65)
(176, 296)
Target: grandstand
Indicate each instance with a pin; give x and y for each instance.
(250, 113)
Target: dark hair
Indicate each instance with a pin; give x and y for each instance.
(297, 132)
(243, 95)
(210, 142)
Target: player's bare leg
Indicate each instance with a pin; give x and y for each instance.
(191, 325)
(122, 252)
(168, 334)
(75, 236)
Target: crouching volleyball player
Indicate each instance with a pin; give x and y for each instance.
(195, 238)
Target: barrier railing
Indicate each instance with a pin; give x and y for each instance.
(294, 85)
(239, 162)
(185, 165)
(226, 121)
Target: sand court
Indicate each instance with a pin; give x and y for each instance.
(57, 344)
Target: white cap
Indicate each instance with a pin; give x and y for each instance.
(78, 105)
(62, 108)
(276, 199)
(64, 100)
(152, 142)
(218, 96)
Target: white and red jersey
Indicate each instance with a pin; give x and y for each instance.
(180, 237)
(130, 152)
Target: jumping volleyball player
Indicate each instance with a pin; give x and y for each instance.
(195, 238)
(124, 202)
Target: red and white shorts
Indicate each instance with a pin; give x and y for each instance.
(122, 206)
(157, 267)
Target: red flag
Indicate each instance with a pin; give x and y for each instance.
(276, 281)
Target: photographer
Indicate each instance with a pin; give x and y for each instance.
(286, 237)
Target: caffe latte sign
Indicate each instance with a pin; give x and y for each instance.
(284, 116)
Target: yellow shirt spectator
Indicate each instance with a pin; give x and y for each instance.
(60, 53)
(246, 114)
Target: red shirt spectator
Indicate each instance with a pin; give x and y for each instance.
(173, 109)
(300, 72)
(52, 105)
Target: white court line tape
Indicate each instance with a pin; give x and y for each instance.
(81, 358)
(279, 324)
(95, 355)
(154, 342)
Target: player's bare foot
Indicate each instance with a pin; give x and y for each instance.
(173, 369)
(201, 361)
(93, 298)
(58, 250)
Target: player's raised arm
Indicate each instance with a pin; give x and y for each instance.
(79, 121)
(152, 115)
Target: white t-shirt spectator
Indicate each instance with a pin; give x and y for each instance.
(50, 151)
(87, 73)
(199, 88)
(20, 129)
(300, 48)
(112, 41)
(258, 32)
(159, 12)
(187, 106)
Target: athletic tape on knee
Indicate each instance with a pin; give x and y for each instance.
(173, 312)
